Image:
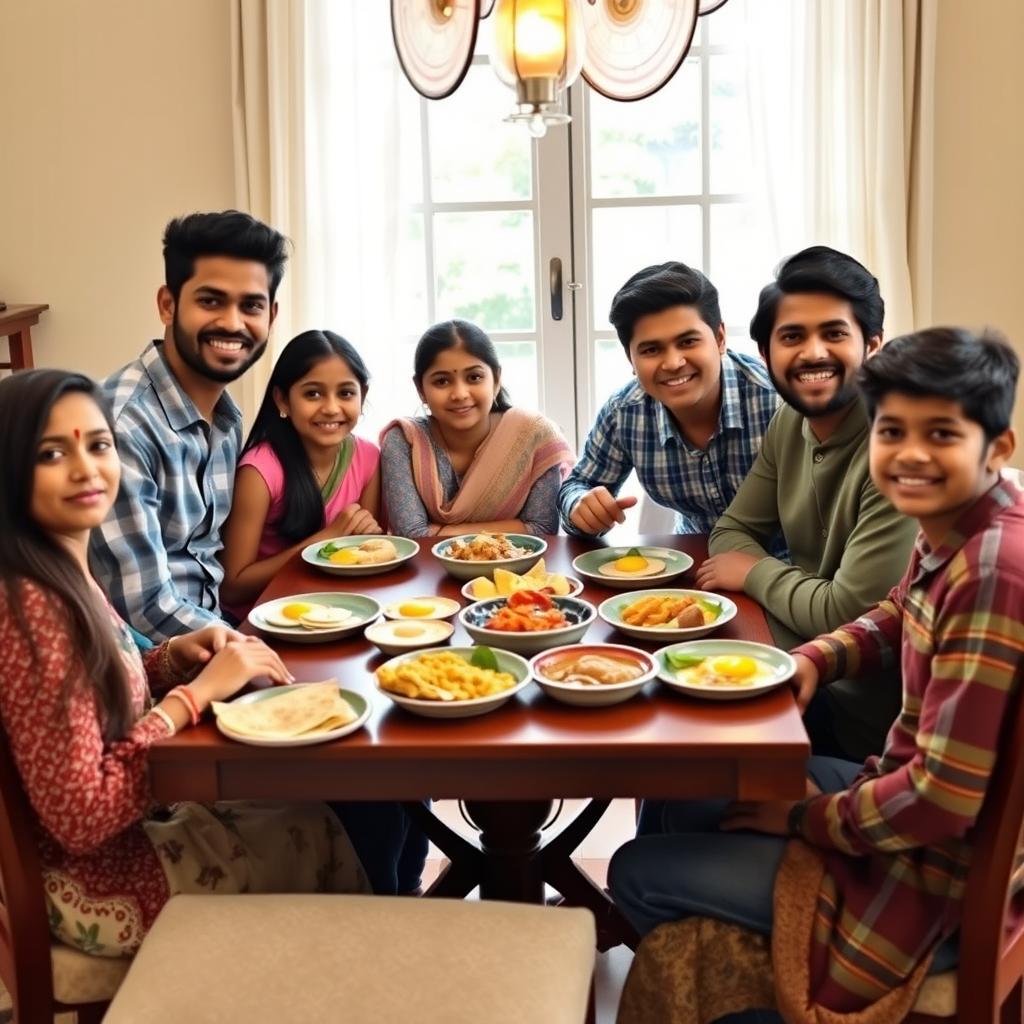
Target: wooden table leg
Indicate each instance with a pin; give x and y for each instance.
(20, 346)
(510, 841)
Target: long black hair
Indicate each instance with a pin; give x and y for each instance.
(302, 512)
(451, 334)
(29, 554)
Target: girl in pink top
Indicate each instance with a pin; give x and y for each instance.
(303, 476)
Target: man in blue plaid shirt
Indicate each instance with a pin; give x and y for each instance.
(178, 432)
(691, 422)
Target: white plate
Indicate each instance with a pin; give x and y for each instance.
(359, 704)
(507, 662)
(611, 610)
(387, 643)
(587, 565)
(406, 549)
(444, 608)
(575, 588)
(781, 662)
(365, 610)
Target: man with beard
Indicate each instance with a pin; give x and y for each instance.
(815, 325)
(178, 432)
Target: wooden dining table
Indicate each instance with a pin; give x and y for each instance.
(512, 765)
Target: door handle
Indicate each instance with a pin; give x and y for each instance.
(555, 284)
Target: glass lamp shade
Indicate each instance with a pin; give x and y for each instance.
(537, 41)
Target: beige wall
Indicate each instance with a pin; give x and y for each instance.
(115, 115)
(979, 172)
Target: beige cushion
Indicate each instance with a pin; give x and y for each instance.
(938, 995)
(81, 978)
(359, 959)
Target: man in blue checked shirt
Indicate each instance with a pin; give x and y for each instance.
(691, 422)
(178, 432)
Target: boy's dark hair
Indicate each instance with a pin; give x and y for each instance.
(659, 287)
(230, 233)
(820, 269)
(977, 370)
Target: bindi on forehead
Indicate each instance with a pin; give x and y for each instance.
(77, 433)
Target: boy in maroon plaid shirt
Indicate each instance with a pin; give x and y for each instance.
(896, 835)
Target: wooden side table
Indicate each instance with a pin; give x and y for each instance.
(16, 323)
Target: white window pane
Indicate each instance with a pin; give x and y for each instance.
(474, 155)
(741, 263)
(519, 371)
(611, 368)
(627, 239)
(484, 269)
(729, 23)
(651, 147)
(730, 124)
(410, 301)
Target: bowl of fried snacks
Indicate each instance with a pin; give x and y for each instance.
(479, 554)
(359, 555)
(292, 716)
(667, 614)
(457, 682)
(593, 675)
(528, 621)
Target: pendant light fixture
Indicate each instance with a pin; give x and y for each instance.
(626, 49)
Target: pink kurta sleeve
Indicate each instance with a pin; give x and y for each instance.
(82, 791)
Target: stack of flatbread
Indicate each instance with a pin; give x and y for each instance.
(300, 710)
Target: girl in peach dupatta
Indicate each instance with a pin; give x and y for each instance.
(475, 463)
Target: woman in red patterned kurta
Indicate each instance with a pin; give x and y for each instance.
(76, 704)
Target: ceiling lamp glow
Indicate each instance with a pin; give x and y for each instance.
(538, 52)
(626, 49)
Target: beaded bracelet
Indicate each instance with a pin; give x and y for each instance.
(186, 698)
(166, 719)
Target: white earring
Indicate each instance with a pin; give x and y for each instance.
(284, 415)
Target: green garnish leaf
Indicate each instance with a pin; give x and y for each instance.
(711, 607)
(484, 657)
(633, 553)
(328, 549)
(679, 660)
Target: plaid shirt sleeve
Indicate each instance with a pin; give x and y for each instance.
(869, 644)
(603, 463)
(129, 556)
(937, 794)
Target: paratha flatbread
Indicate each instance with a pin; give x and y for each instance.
(294, 711)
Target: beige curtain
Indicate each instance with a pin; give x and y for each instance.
(844, 134)
(323, 126)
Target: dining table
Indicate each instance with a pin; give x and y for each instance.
(512, 766)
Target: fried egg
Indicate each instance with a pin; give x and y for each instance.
(632, 566)
(346, 556)
(322, 617)
(728, 670)
(422, 608)
(288, 614)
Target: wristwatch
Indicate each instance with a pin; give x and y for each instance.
(795, 818)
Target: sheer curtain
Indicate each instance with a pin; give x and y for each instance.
(326, 150)
(841, 95)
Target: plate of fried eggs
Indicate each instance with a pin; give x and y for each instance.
(723, 669)
(360, 555)
(314, 618)
(422, 608)
(630, 568)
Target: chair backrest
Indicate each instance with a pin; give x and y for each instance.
(991, 958)
(24, 926)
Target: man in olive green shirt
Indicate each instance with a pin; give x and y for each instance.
(815, 325)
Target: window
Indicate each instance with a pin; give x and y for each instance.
(625, 186)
